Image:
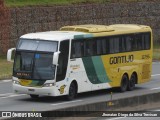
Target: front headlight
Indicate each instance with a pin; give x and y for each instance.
(48, 85)
(15, 82)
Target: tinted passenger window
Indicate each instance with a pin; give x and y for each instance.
(105, 46)
(89, 47)
(114, 44)
(110, 45)
(147, 40)
(99, 47)
(77, 49)
(122, 43)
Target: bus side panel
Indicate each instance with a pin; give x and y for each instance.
(114, 71)
(77, 72)
(116, 68)
(89, 73)
(145, 66)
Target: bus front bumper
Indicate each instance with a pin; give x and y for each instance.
(49, 91)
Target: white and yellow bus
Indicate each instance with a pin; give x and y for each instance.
(82, 58)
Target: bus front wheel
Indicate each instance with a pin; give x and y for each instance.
(72, 91)
(124, 83)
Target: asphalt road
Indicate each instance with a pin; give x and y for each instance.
(17, 102)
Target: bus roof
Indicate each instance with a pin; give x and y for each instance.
(52, 35)
(84, 31)
(91, 28)
(126, 27)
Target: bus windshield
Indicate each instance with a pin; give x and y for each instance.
(35, 61)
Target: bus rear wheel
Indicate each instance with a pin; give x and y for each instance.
(72, 91)
(124, 83)
(132, 82)
(34, 96)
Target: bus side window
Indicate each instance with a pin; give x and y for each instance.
(143, 41)
(111, 45)
(122, 44)
(86, 48)
(63, 60)
(139, 38)
(114, 44)
(99, 47)
(77, 49)
(147, 40)
(128, 40)
(134, 43)
(73, 50)
(90, 47)
(105, 46)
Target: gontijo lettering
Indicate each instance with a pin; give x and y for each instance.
(121, 59)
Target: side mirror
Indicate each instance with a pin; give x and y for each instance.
(9, 54)
(55, 58)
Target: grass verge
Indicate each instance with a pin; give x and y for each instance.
(5, 68)
(20, 3)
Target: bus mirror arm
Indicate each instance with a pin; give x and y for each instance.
(9, 54)
(55, 58)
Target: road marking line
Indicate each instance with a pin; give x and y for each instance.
(157, 62)
(116, 118)
(156, 110)
(155, 88)
(5, 94)
(4, 81)
(155, 75)
(4, 118)
(67, 102)
(12, 96)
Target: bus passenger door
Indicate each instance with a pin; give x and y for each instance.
(62, 61)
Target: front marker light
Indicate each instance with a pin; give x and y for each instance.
(15, 82)
(48, 85)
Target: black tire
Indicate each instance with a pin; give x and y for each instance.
(72, 92)
(132, 82)
(124, 83)
(34, 96)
